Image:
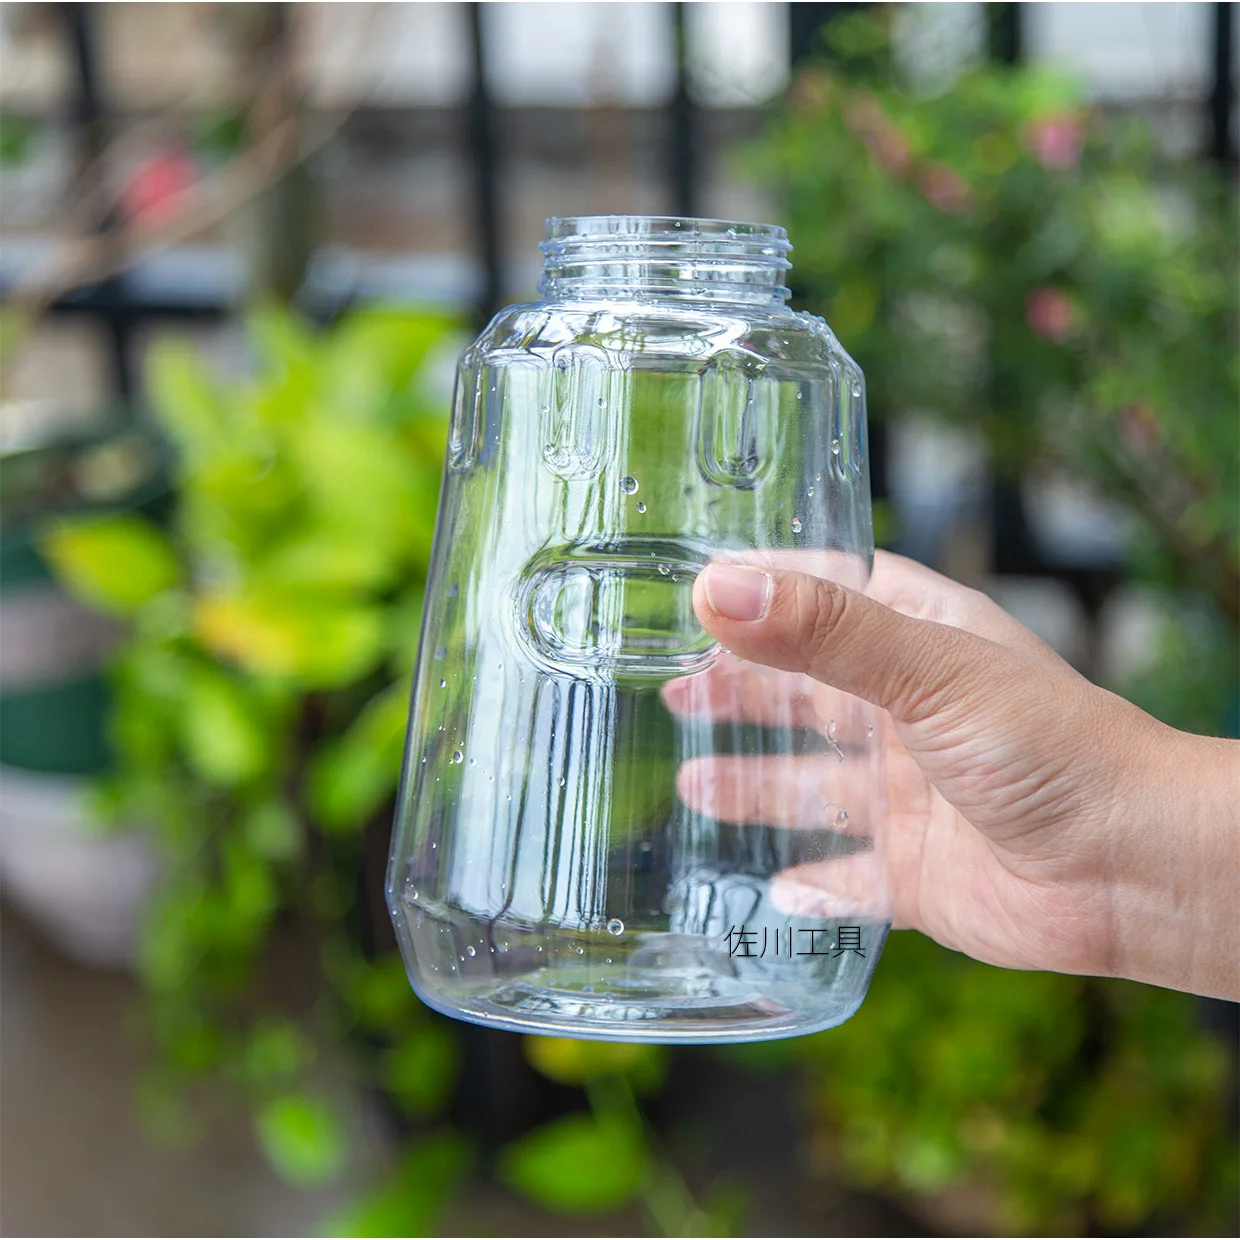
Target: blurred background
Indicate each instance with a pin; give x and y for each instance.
(227, 230)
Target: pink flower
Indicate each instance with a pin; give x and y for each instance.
(945, 189)
(1056, 141)
(1049, 314)
(888, 147)
(155, 191)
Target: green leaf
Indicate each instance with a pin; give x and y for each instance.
(183, 393)
(575, 1165)
(224, 737)
(412, 1199)
(115, 563)
(569, 1061)
(351, 779)
(314, 643)
(275, 1050)
(380, 994)
(303, 1138)
(273, 831)
(421, 1071)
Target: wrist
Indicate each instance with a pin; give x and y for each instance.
(1176, 865)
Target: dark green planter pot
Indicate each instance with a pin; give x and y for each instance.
(54, 695)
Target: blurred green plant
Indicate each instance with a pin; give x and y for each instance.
(597, 1161)
(1068, 1106)
(258, 721)
(999, 255)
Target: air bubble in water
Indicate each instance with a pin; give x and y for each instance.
(664, 570)
(796, 525)
(628, 484)
(457, 757)
(443, 684)
(563, 781)
(581, 951)
(856, 388)
(835, 447)
(869, 729)
(810, 491)
(470, 951)
(615, 926)
(841, 819)
(641, 507)
(473, 762)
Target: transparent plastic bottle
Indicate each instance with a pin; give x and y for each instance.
(609, 826)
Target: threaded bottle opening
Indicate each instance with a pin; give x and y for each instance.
(621, 257)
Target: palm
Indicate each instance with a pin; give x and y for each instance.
(972, 846)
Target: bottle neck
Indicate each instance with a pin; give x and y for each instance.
(665, 258)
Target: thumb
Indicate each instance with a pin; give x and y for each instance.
(799, 623)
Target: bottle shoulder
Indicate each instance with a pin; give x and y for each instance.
(671, 331)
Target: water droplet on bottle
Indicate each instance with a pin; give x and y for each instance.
(796, 525)
(443, 684)
(470, 951)
(664, 570)
(641, 507)
(835, 447)
(457, 757)
(628, 484)
(615, 926)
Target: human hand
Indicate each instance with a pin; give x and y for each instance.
(1037, 821)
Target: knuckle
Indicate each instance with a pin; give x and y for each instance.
(822, 607)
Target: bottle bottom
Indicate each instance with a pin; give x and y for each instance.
(655, 986)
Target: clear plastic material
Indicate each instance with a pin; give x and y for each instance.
(609, 826)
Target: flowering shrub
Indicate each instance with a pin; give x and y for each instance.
(1004, 256)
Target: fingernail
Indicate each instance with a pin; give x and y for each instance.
(737, 593)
